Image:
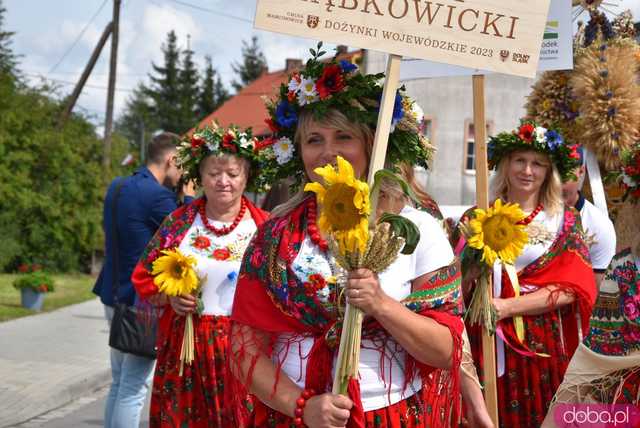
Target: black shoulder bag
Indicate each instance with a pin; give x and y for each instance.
(131, 331)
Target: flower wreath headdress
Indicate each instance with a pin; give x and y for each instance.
(214, 140)
(530, 136)
(325, 85)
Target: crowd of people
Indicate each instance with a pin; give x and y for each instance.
(268, 313)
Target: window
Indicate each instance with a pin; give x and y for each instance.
(470, 144)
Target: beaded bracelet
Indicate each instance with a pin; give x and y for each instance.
(300, 403)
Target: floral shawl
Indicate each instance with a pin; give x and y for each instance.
(169, 235)
(565, 264)
(271, 299)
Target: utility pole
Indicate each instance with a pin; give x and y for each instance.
(106, 160)
(85, 74)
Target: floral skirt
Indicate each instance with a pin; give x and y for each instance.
(194, 399)
(407, 413)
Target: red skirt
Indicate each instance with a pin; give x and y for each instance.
(529, 383)
(194, 399)
(409, 413)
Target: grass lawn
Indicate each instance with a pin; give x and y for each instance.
(70, 289)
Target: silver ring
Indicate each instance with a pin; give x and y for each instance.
(357, 292)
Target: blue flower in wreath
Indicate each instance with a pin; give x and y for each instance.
(554, 140)
(286, 115)
(347, 67)
(398, 109)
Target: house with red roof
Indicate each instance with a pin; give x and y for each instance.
(246, 108)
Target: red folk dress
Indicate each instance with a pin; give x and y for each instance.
(195, 399)
(530, 379)
(274, 300)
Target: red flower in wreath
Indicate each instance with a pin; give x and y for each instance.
(574, 152)
(227, 143)
(526, 132)
(196, 141)
(272, 125)
(330, 82)
(43, 288)
(202, 242)
(221, 254)
(23, 268)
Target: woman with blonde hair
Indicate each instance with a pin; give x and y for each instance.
(287, 312)
(556, 284)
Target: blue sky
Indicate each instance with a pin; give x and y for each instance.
(46, 29)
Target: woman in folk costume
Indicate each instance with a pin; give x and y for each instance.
(606, 366)
(556, 285)
(213, 231)
(288, 307)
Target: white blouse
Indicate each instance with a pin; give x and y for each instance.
(381, 374)
(219, 260)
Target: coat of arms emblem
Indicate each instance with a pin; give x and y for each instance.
(312, 21)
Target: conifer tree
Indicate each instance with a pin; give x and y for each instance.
(212, 91)
(253, 64)
(165, 87)
(8, 59)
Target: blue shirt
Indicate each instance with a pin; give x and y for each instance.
(143, 204)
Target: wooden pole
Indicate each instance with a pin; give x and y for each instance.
(376, 163)
(106, 160)
(482, 200)
(85, 74)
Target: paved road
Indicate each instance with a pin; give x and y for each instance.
(86, 412)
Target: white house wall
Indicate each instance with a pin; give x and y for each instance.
(449, 102)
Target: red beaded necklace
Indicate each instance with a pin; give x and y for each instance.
(224, 230)
(528, 219)
(312, 227)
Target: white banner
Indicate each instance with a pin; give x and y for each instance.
(497, 35)
(556, 51)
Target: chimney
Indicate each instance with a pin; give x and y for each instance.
(342, 49)
(292, 64)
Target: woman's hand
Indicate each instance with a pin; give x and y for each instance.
(364, 291)
(327, 411)
(158, 299)
(183, 305)
(503, 308)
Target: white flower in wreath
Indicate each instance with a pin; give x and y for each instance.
(213, 147)
(283, 148)
(295, 83)
(308, 92)
(541, 134)
(246, 143)
(629, 181)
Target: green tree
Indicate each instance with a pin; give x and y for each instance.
(165, 87)
(8, 59)
(253, 64)
(188, 78)
(137, 122)
(212, 91)
(50, 181)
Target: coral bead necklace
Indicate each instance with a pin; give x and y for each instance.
(528, 219)
(312, 227)
(224, 230)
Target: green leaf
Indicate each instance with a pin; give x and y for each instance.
(404, 227)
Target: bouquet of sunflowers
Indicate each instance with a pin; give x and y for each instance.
(495, 234)
(357, 241)
(175, 276)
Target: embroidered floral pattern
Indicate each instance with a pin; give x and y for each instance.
(203, 243)
(614, 327)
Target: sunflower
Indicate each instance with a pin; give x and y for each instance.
(497, 233)
(174, 273)
(345, 206)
